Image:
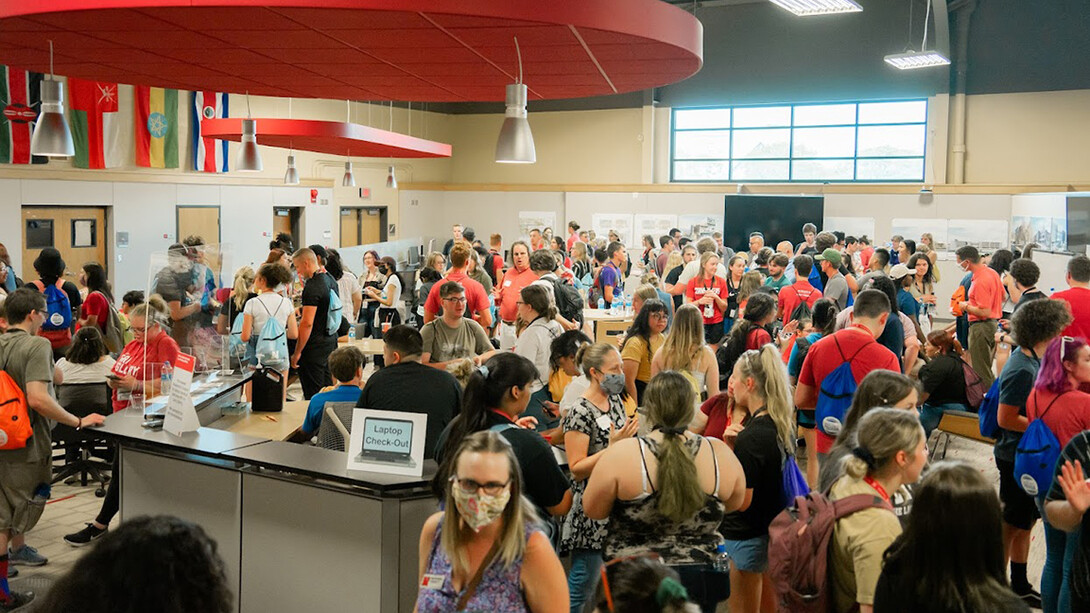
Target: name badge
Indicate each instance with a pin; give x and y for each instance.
(604, 422)
(433, 582)
(507, 283)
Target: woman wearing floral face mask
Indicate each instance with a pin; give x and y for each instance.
(596, 422)
(484, 552)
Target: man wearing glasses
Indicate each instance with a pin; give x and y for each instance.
(453, 337)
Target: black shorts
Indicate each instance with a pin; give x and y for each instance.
(1019, 508)
(806, 419)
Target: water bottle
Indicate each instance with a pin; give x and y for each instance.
(352, 333)
(601, 303)
(722, 560)
(165, 378)
(627, 304)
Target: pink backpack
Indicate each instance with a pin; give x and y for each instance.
(798, 549)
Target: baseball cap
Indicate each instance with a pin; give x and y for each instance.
(830, 255)
(899, 271)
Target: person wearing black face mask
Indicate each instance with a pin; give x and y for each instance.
(387, 300)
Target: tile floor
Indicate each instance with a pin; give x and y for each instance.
(73, 506)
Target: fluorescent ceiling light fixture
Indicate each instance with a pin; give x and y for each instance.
(806, 8)
(249, 158)
(391, 179)
(349, 178)
(910, 60)
(291, 177)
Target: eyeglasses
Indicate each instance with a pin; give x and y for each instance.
(661, 316)
(470, 486)
(605, 579)
(1064, 340)
(461, 300)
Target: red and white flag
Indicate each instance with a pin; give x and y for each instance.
(209, 154)
(96, 129)
(20, 101)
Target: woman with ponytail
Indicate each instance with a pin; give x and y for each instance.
(766, 437)
(641, 584)
(673, 504)
(494, 398)
(891, 451)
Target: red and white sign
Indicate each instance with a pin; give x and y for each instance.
(181, 416)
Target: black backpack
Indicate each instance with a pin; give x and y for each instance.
(568, 301)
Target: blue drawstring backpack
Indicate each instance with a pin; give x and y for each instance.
(334, 315)
(835, 395)
(1037, 454)
(988, 414)
(794, 482)
(239, 349)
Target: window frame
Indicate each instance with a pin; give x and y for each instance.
(791, 159)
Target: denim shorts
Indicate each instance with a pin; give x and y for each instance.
(750, 555)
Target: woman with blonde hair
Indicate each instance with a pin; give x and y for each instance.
(709, 292)
(592, 425)
(686, 351)
(675, 264)
(671, 506)
(751, 282)
(241, 291)
(581, 266)
(890, 452)
(485, 551)
(765, 442)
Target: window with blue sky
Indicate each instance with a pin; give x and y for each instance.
(811, 143)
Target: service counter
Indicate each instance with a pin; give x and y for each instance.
(297, 530)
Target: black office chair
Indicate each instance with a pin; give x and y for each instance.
(82, 447)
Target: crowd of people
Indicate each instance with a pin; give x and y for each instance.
(745, 380)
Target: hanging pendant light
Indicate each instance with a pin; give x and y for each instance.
(249, 158)
(516, 142)
(349, 179)
(52, 137)
(391, 179)
(291, 177)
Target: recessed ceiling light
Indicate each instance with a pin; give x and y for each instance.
(805, 8)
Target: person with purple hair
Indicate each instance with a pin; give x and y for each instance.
(1059, 401)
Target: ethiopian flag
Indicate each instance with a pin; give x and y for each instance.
(156, 117)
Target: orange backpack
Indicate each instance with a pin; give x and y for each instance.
(956, 300)
(15, 426)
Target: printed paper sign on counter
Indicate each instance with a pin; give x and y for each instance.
(181, 416)
(389, 442)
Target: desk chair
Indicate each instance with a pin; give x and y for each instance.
(335, 431)
(957, 423)
(609, 331)
(80, 447)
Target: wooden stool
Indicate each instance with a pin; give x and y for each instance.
(957, 423)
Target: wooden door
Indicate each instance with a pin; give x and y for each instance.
(350, 227)
(370, 226)
(202, 221)
(79, 233)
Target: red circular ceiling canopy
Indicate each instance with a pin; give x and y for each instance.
(421, 50)
(333, 137)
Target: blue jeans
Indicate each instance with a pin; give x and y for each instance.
(586, 564)
(1060, 550)
(931, 415)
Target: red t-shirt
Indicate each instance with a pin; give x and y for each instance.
(825, 356)
(698, 286)
(512, 283)
(132, 361)
(987, 292)
(795, 294)
(1079, 299)
(757, 338)
(97, 305)
(717, 410)
(1068, 415)
(476, 297)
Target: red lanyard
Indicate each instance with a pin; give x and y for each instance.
(505, 417)
(877, 487)
(863, 328)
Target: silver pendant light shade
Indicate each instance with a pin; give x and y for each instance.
(391, 179)
(516, 142)
(349, 179)
(52, 137)
(291, 177)
(249, 158)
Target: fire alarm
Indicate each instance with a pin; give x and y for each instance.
(365, 192)
(313, 196)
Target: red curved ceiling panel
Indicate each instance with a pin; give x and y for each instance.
(333, 137)
(421, 50)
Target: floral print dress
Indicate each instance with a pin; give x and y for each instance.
(580, 531)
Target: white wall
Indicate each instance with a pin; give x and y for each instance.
(430, 214)
(147, 212)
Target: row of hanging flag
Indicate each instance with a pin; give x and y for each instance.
(93, 115)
